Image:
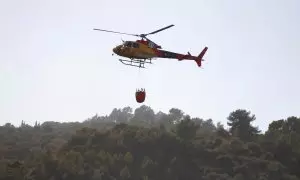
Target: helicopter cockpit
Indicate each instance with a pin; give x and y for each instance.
(130, 44)
(125, 45)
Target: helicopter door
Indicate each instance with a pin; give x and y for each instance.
(129, 48)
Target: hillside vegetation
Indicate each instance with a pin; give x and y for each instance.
(143, 145)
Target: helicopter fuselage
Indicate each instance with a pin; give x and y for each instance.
(135, 50)
(141, 50)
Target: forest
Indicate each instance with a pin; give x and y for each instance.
(139, 144)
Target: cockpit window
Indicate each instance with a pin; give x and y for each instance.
(135, 45)
(131, 44)
(128, 44)
(125, 43)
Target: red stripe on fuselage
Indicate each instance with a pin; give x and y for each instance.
(172, 55)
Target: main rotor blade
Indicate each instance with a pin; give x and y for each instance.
(116, 32)
(161, 29)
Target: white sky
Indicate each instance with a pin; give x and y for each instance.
(54, 67)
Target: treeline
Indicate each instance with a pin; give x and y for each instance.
(143, 145)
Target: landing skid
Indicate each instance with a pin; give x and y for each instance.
(140, 63)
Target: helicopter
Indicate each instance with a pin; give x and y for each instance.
(144, 50)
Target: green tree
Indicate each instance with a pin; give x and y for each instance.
(143, 115)
(240, 124)
(176, 114)
(187, 129)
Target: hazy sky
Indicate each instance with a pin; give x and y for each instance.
(54, 67)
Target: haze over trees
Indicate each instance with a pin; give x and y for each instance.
(139, 144)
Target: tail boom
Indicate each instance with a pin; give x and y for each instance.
(180, 57)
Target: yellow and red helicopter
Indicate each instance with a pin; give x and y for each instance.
(143, 51)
